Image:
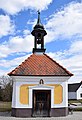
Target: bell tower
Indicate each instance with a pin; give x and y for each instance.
(39, 33)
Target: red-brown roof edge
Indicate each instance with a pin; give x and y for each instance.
(69, 73)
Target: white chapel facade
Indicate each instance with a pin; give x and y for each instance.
(39, 83)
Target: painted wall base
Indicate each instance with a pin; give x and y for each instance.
(58, 112)
(27, 112)
(21, 112)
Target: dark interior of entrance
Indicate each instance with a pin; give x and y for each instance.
(41, 103)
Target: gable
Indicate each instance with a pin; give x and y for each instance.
(80, 88)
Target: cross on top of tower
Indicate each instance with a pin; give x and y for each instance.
(38, 21)
(39, 24)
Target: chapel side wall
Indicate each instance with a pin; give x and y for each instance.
(14, 95)
(65, 93)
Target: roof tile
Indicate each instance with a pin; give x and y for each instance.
(40, 65)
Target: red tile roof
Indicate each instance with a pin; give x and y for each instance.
(37, 65)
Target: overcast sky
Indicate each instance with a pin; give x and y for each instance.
(62, 20)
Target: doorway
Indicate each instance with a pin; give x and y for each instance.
(41, 103)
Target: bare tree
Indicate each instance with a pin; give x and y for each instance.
(4, 80)
(6, 91)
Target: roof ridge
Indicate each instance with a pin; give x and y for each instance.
(59, 65)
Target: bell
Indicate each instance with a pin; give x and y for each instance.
(39, 41)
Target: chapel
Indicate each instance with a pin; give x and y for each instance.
(40, 87)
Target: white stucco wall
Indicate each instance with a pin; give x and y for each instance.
(18, 81)
(79, 91)
(72, 95)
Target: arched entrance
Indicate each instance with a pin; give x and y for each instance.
(41, 103)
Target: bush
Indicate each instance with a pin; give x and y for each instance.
(6, 93)
(0, 95)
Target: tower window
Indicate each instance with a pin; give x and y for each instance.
(39, 35)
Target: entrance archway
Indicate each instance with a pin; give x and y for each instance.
(41, 103)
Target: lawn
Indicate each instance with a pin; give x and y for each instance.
(75, 101)
(5, 106)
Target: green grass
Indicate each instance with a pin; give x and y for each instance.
(5, 106)
(75, 101)
(80, 101)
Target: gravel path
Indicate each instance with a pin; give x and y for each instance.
(74, 116)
